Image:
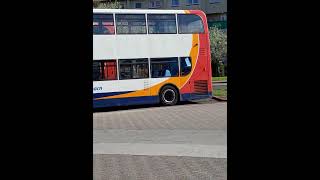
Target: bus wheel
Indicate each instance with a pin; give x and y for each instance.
(169, 96)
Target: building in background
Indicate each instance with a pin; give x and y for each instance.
(216, 10)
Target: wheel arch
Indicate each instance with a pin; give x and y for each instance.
(170, 84)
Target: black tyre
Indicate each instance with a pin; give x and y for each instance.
(169, 96)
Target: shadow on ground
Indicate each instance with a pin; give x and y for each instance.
(120, 108)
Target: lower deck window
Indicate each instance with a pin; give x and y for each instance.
(104, 70)
(139, 68)
(133, 68)
(185, 66)
(164, 67)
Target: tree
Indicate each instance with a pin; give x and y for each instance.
(106, 5)
(218, 43)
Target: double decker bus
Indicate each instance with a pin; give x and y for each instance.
(150, 56)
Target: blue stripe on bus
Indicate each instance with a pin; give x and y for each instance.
(144, 100)
(99, 95)
(125, 101)
(194, 96)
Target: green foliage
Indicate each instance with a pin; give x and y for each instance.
(106, 5)
(225, 78)
(218, 43)
(220, 92)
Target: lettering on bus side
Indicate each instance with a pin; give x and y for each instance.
(97, 88)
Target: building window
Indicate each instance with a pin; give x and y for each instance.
(164, 67)
(224, 17)
(103, 24)
(185, 66)
(104, 70)
(131, 24)
(133, 69)
(214, 1)
(162, 24)
(190, 24)
(138, 5)
(195, 2)
(174, 3)
(121, 6)
(154, 4)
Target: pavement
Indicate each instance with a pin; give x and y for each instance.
(219, 84)
(222, 82)
(132, 167)
(187, 141)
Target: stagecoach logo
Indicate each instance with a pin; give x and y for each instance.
(97, 88)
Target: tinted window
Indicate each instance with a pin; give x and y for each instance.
(185, 66)
(190, 24)
(164, 67)
(131, 24)
(104, 70)
(134, 68)
(162, 24)
(174, 2)
(138, 5)
(195, 2)
(103, 24)
(97, 75)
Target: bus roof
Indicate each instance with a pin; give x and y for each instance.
(129, 11)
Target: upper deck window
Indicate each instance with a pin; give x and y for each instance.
(162, 24)
(131, 24)
(190, 24)
(103, 24)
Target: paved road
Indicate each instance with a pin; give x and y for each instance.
(180, 142)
